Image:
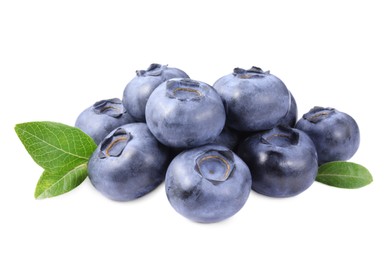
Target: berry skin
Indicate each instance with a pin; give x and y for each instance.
(283, 161)
(228, 138)
(184, 113)
(335, 134)
(291, 118)
(103, 117)
(254, 100)
(208, 183)
(128, 163)
(139, 89)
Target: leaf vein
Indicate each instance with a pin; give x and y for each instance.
(53, 146)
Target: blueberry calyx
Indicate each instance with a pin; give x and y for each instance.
(254, 72)
(154, 69)
(317, 114)
(114, 144)
(184, 89)
(215, 165)
(110, 107)
(281, 136)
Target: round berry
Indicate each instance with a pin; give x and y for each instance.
(184, 113)
(207, 184)
(335, 134)
(283, 161)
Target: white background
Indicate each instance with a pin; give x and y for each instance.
(59, 57)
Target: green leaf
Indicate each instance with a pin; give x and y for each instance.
(62, 151)
(56, 183)
(344, 175)
(54, 146)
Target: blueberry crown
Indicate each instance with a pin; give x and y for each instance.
(110, 107)
(114, 144)
(184, 89)
(282, 136)
(215, 165)
(253, 72)
(154, 69)
(317, 114)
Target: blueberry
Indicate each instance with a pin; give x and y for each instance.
(254, 100)
(283, 161)
(185, 113)
(291, 118)
(138, 90)
(128, 163)
(103, 117)
(334, 133)
(208, 183)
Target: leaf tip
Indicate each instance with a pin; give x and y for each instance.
(38, 196)
(17, 128)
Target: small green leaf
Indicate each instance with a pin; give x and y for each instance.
(54, 146)
(62, 151)
(56, 183)
(344, 175)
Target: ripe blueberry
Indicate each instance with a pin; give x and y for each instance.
(254, 100)
(208, 183)
(283, 161)
(335, 134)
(128, 163)
(184, 113)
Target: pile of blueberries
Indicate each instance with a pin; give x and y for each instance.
(211, 144)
